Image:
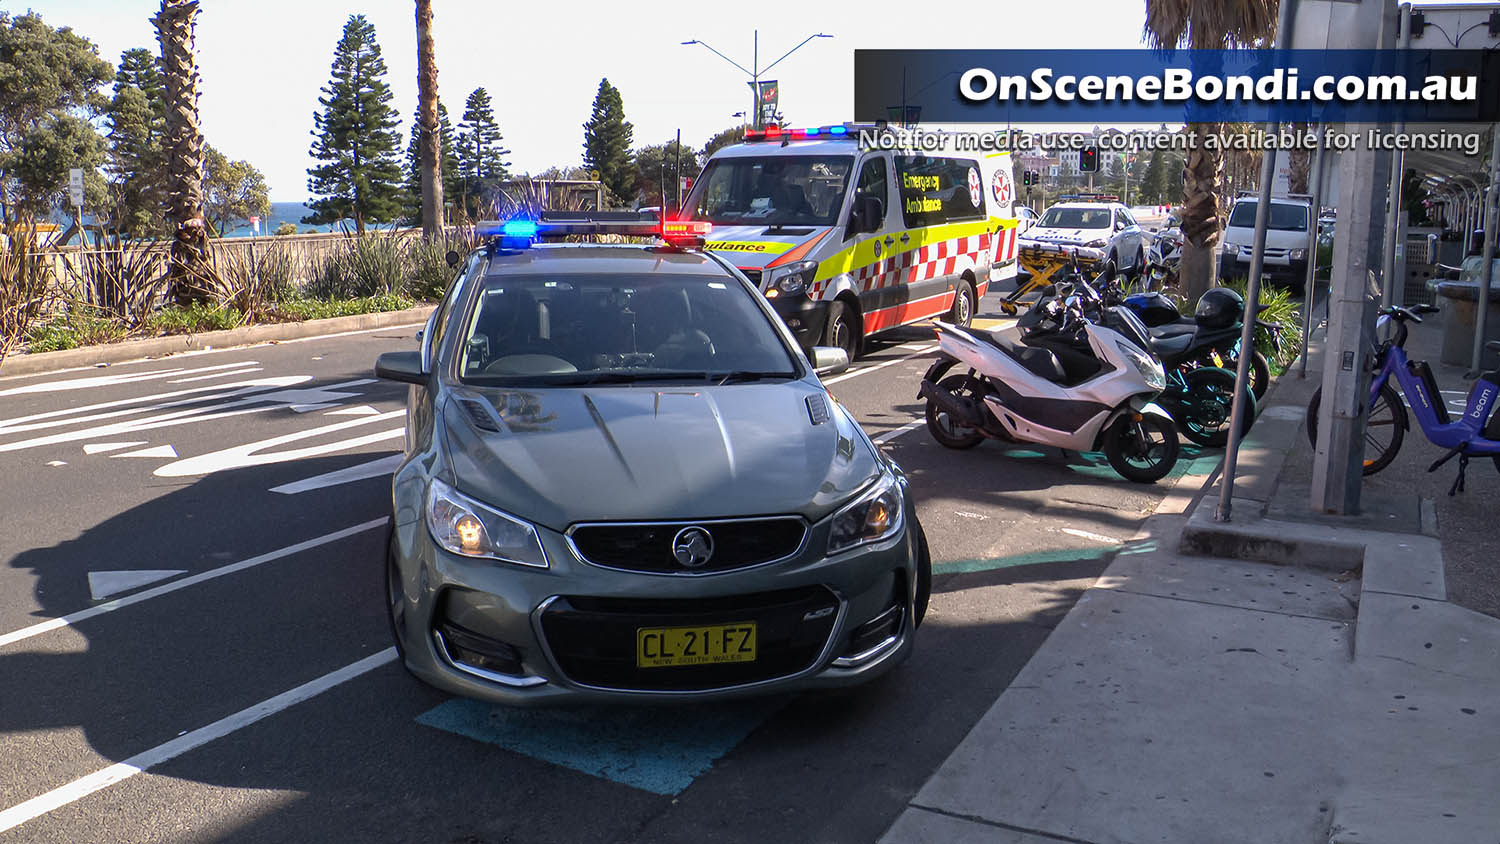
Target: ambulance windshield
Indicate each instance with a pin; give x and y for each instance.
(772, 190)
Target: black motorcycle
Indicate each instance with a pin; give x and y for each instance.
(1161, 315)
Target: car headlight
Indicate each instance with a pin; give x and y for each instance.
(1230, 248)
(1096, 243)
(1297, 254)
(463, 526)
(791, 279)
(873, 516)
(1149, 367)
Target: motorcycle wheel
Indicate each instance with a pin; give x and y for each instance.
(1389, 412)
(943, 429)
(1207, 407)
(1143, 450)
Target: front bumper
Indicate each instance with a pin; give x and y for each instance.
(1276, 266)
(524, 636)
(806, 318)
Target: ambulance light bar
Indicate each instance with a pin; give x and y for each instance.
(816, 133)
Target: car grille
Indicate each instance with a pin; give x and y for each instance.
(753, 275)
(593, 640)
(648, 547)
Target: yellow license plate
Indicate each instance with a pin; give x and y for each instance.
(661, 647)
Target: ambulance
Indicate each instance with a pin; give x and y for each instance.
(849, 239)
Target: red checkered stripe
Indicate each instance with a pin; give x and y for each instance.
(914, 265)
(1005, 244)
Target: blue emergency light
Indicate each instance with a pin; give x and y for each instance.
(521, 233)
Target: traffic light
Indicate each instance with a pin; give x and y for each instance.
(1026, 178)
(1088, 160)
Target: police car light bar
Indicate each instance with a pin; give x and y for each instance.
(522, 232)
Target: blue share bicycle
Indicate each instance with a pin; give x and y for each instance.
(1475, 434)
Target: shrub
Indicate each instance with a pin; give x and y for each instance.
(25, 278)
(78, 324)
(252, 286)
(324, 308)
(286, 229)
(359, 267)
(1281, 345)
(193, 319)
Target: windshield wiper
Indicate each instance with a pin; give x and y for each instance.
(628, 377)
(742, 375)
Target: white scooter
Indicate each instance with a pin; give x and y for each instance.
(1057, 379)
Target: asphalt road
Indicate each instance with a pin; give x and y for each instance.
(193, 645)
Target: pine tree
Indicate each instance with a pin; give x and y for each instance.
(481, 158)
(1154, 182)
(137, 116)
(606, 142)
(355, 136)
(448, 155)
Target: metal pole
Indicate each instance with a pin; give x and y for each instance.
(1486, 272)
(1310, 286)
(755, 74)
(677, 174)
(1252, 294)
(1398, 175)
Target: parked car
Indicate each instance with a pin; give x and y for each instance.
(1108, 226)
(1285, 258)
(624, 481)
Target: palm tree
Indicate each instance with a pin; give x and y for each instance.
(1205, 25)
(190, 270)
(430, 159)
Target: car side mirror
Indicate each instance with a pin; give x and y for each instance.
(453, 258)
(401, 366)
(830, 360)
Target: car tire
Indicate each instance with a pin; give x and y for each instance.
(394, 607)
(842, 330)
(965, 301)
(924, 578)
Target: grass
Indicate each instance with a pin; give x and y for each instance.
(308, 308)
(79, 325)
(193, 319)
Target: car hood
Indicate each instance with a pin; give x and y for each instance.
(753, 247)
(633, 453)
(1056, 235)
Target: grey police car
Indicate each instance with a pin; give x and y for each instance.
(623, 481)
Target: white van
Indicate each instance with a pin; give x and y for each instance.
(1285, 258)
(848, 242)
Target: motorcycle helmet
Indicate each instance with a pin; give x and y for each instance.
(1219, 308)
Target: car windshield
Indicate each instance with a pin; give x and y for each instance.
(1284, 217)
(775, 190)
(589, 329)
(1061, 217)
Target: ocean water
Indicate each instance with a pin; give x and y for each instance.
(282, 212)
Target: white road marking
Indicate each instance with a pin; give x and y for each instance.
(146, 404)
(901, 431)
(857, 372)
(112, 380)
(57, 462)
(309, 408)
(361, 410)
(967, 515)
(241, 456)
(1097, 537)
(101, 448)
(158, 451)
(193, 580)
(280, 398)
(102, 584)
(373, 469)
(217, 375)
(197, 352)
(120, 771)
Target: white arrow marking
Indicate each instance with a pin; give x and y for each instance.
(242, 456)
(159, 451)
(362, 410)
(373, 469)
(309, 408)
(100, 448)
(102, 584)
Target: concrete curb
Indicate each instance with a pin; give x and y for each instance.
(251, 335)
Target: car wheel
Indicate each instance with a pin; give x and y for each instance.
(395, 594)
(963, 304)
(924, 578)
(843, 330)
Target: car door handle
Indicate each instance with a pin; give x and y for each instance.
(905, 238)
(889, 241)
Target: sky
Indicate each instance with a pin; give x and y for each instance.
(263, 63)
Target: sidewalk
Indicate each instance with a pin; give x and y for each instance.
(1207, 699)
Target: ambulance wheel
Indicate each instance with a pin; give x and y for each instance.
(963, 304)
(842, 331)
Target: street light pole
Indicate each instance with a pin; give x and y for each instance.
(755, 70)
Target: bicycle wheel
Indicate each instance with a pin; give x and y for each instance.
(1385, 427)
